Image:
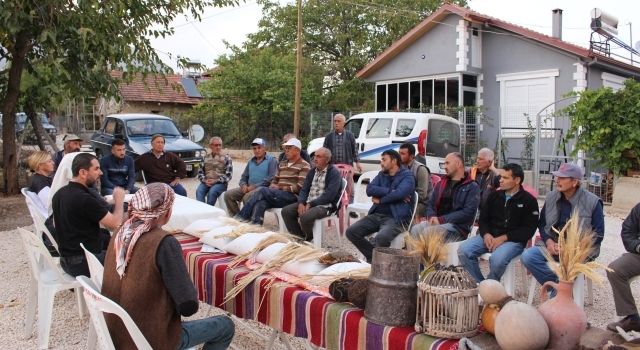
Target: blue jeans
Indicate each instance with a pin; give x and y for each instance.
(536, 263)
(265, 198)
(179, 190)
(210, 194)
(386, 227)
(471, 249)
(452, 233)
(215, 332)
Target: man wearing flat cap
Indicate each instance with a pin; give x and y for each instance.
(284, 187)
(71, 144)
(559, 204)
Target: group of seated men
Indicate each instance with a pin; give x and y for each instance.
(508, 215)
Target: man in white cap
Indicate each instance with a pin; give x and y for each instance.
(71, 144)
(258, 173)
(284, 188)
(559, 204)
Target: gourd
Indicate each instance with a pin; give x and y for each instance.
(492, 292)
(488, 317)
(520, 326)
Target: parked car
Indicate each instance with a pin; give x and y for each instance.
(22, 123)
(435, 135)
(136, 130)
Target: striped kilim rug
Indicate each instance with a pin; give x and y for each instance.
(294, 310)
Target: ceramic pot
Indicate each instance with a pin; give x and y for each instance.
(566, 320)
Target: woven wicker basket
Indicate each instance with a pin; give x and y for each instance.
(448, 304)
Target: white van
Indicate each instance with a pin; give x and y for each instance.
(435, 135)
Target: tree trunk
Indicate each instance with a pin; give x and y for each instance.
(40, 132)
(18, 56)
(37, 125)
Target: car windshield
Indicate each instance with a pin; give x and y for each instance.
(148, 127)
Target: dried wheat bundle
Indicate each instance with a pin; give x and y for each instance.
(291, 252)
(430, 245)
(575, 244)
(269, 240)
(326, 280)
(241, 229)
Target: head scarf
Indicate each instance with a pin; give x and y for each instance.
(148, 204)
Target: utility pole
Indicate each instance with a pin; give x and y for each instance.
(298, 88)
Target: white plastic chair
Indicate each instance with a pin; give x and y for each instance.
(398, 241)
(361, 208)
(509, 277)
(98, 305)
(96, 270)
(95, 267)
(319, 225)
(47, 279)
(282, 228)
(36, 215)
(220, 203)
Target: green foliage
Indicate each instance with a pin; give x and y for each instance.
(342, 37)
(252, 89)
(608, 125)
(72, 45)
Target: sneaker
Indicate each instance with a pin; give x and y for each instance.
(240, 218)
(627, 324)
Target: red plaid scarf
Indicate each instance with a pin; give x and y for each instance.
(148, 204)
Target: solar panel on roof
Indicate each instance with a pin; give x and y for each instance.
(190, 87)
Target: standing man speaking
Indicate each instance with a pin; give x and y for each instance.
(342, 144)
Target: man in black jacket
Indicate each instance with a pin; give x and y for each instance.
(507, 222)
(623, 270)
(317, 198)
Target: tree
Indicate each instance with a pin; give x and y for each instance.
(80, 41)
(342, 37)
(254, 84)
(607, 123)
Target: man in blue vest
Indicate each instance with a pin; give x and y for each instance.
(258, 173)
(559, 204)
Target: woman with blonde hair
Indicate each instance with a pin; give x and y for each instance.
(43, 166)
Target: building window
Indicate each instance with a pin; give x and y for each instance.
(392, 97)
(381, 98)
(427, 94)
(414, 95)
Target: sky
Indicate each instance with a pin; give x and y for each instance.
(204, 41)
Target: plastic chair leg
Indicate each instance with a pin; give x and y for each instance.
(92, 337)
(45, 311)
(32, 306)
(532, 290)
(317, 234)
(509, 278)
(82, 307)
(578, 290)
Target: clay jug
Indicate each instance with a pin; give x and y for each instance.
(566, 320)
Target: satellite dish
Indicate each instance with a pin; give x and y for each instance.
(196, 133)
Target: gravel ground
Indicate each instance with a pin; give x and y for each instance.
(69, 331)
